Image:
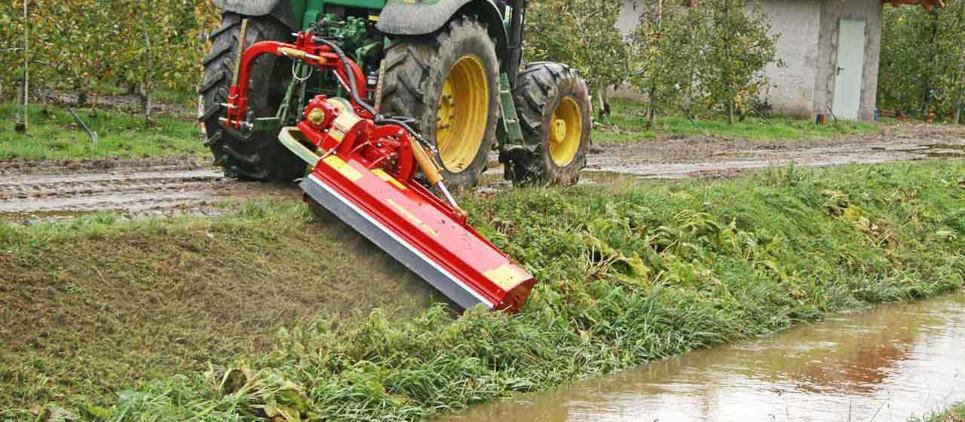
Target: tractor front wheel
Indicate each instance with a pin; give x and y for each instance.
(449, 83)
(554, 110)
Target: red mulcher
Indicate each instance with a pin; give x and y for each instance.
(364, 168)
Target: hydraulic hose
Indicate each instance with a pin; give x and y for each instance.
(353, 90)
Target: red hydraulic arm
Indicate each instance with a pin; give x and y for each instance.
(363, 172)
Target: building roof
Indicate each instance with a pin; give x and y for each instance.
(928, 4)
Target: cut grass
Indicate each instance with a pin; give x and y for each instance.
(58, 137)
(628, 273)
(628, 124)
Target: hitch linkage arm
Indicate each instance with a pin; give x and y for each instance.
(306, 50)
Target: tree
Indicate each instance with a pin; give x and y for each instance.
(739, 46)
(923, 61)
(583, 34)
(697, 58)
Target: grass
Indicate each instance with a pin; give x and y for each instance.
(628, 273)
(955, 413)
(58, 137)
(628, 124)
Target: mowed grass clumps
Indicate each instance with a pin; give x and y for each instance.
(57, 136)
(628, 273)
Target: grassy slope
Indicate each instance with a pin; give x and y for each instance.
(122, 136)
(954, 413)
(628, 124)
(93, 304)
(628, 274)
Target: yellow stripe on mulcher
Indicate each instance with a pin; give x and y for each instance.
(342, 168)
(388, 178)
(506, 276)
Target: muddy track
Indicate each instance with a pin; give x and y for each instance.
(32, 191)
(43, 190)
(723, 157)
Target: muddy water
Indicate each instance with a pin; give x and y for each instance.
(886, 364)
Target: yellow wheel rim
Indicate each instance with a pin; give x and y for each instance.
(566, 132)
(463, 114)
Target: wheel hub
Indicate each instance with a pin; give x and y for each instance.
(462, 114)
(566, 132)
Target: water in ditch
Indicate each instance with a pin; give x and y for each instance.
(887, 364)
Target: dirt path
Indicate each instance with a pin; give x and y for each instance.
(720, 157)
(31, 191)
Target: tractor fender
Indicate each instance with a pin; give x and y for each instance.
(404, 17)
(283, 10)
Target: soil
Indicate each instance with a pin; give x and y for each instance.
(126, 103)
(724, 157)
(44, 190)
(37, 191)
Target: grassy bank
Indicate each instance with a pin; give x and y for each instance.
(58, 137)
(955, 413)
(628, 124)
(628, 274)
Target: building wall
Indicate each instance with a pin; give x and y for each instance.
(831, 13)
(797, 23)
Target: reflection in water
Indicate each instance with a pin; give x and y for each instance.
(887, 364)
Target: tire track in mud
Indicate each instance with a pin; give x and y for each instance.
(49, 191)
(721, 157)
(45, 190)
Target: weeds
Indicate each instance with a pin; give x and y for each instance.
(628, 273)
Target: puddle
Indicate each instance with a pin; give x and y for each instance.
(887, 364)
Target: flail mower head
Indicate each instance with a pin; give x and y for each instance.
(364, 168)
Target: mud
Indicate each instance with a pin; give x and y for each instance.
(44, 190)
(39, 191)
(723, 157)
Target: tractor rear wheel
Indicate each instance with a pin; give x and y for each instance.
(258, 156)
(449, 83)
(554, 111)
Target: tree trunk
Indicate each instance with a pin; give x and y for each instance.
(21, 119)
(931, 68)
(958, 111)
(604, 102)
(44, 94)
(652, 95)
(24, 125)
(147, 87)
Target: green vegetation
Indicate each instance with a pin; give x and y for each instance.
(954, 413)
(629, 123)
(98, 303)
(923, 61)
(628, 273)
(58, 137)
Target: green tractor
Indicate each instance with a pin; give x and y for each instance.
(452, 67)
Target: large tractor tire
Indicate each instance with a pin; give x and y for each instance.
(449, 83)
(554, 108)
(258, 156)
